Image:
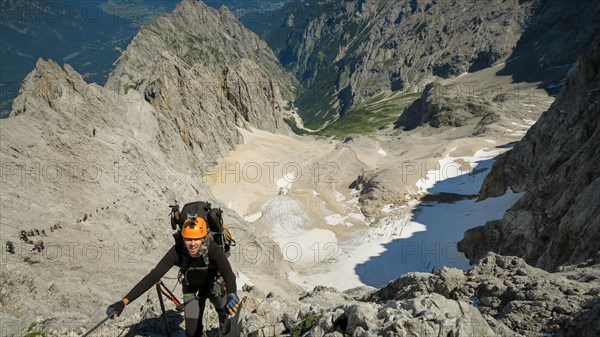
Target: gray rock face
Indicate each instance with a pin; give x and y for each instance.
(511, 294)
(56, 170)
(346, 53)
(438, 109)
(205, 75)
(502, 296)
(71, 150)
(424, 315)
(557, 222)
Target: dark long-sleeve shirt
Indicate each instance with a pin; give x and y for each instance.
(217, 262)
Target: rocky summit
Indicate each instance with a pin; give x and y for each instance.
(203, 83)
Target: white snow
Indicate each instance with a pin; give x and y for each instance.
(422, 241)
(242, 279)
(450, 177)
(520, 125)
(253, 217)
(358, 216)
(353, 202)
(334, 219)
(285, 184)
(387, 208)
(382, 152)
(293, 231)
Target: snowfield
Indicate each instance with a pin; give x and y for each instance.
(423, 239)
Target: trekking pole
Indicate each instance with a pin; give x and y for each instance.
(95, 326)
(168, 294)
(162, 307)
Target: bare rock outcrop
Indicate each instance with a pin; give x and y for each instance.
(438, 109)
(205, 75)
(72, 149)
(557, 163)
(345, 54)
(502, 296)
(511, 294)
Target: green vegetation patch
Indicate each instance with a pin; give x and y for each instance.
(32, 331)
(305, 325)
(292, 124)
(369, 116)
(28, 260)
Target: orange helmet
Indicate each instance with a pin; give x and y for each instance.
(194, 228)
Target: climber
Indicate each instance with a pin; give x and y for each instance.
(199, 262)
(38, 245)
(23, 236)
(10, 247)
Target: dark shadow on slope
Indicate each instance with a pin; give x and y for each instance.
(507, 145)
(436, 246)
(155, 326)
(557, 33)
(585, 322)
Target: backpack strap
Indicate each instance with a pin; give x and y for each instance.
(204, 249)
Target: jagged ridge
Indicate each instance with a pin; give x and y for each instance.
(558, 163)
(205, 75)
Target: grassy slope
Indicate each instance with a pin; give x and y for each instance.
(367, 117)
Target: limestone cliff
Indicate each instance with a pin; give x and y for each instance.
(346, 52)
(104, 164)
(205, 75)
(557, 163)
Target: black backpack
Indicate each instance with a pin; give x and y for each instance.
(213, 216)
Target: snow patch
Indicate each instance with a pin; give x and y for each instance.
(457, 180)
(382, 152)
(310, 247)
(253, 217)
(285, 184)
(242, 280)
(292, 229)
(353, 201)
(520, 125)
(421, 241)
(334, 219)
(387, 208)
(339, 197)
(358, 216)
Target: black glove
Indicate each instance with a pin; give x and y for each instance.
(115, 310)
(232, 303)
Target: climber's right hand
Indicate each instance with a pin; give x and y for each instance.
(232, 303)
(115, 310)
